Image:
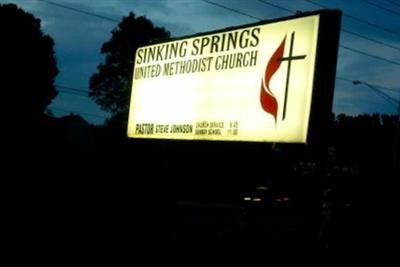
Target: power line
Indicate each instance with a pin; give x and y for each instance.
(387, 97)
(357, 34)
(276, 6)
(231, 9)
(358, 19)
(342, 46)
(381, 7)
(243, 14)
(71, 88)
(79, 10)
(80, 112)
(254, 17)
(72, 93)
(344, 30)
(370, 55)
(392, 2)
(372, 24)
(371, 39)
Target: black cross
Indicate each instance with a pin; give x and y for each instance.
(289, 60)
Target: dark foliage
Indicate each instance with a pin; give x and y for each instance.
(110, 86)
(28, 64)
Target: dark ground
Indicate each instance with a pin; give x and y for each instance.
(183, 202)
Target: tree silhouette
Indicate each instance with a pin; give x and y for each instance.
(110, 86)
(28, 64)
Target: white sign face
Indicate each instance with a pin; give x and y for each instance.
(248, 84)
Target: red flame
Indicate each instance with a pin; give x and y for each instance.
(267, 98)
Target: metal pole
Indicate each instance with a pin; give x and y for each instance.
(396, 161)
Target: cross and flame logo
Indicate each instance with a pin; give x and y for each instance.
(269, 103)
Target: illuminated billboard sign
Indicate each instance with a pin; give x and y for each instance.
(253, 83)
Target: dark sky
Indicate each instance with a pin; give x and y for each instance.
(78, 38)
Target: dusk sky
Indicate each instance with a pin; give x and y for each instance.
(78, 38)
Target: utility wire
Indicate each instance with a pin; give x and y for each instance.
(381, 7)
(370, 55)
(231, 9)
(387, 97)
(247, 15)
(77, 112)
(79, 10)
(370, 39)
(344, 47)
(343, 30)
(72, 93)
(358, 19)
(76, 91)
(276, 6)
(392, 2)
(72, 88)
